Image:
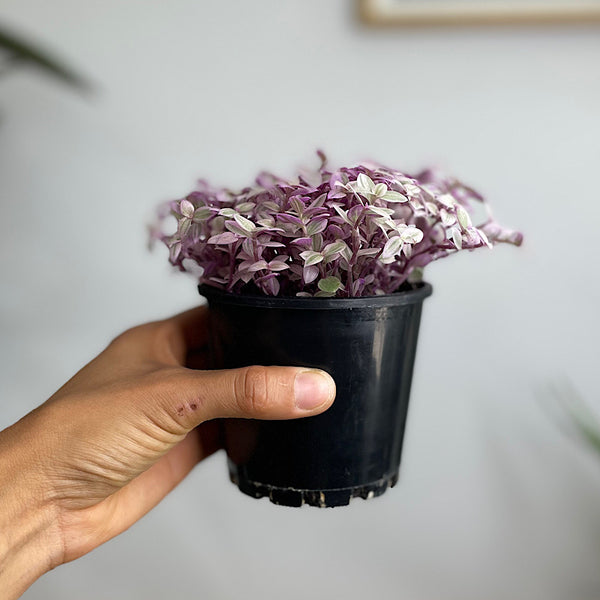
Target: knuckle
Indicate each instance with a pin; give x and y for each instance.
(253, 395)
(176, 413)
(152, 339)
(129, 335)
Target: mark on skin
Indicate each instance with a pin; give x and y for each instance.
(192, 406)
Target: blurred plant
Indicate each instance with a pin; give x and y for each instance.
(581, 416)
(15, 52)
(589, 428)
(356, 231)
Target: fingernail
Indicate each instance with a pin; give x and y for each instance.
(312, 389)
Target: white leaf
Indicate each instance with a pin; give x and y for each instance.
(382, 212)
(485, 239)
(228, 212)
(463, 217)
(346, 254)
(175, 251)
(259, 265)
(270, 206)
(184, 226)
(248, 247)
(392, 196)
(235, 228)
(447, 200)
(380, 190)
(412, 235)
(278, 266)
(191, 266)
(457, 237)
(309, 274)
(392, 247)
(448, 219)
(368, 252)
(334, 248)
(365, 183)
(340, 211)
(244, 223)
(412, 189)
(244, 207)
(186, 208)
(432, 208)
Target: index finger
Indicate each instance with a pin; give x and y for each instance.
(190, 329)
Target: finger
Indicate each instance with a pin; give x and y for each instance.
(198, 359)
(189, 397)
(185, 332)
(192, 326)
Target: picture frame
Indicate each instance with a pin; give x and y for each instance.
(406, 13)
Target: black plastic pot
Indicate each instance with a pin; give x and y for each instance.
(368, 345)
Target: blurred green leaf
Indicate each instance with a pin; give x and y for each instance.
(581, 417)
(20, 51)
(588, 427)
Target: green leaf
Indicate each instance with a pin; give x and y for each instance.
(202, 213)
(330, 285)
(245, 207)
(244, 223)
(316, 226)
(184, 226)
(24, 52)
(334, 248)
(311, 257)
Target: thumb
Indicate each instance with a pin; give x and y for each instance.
(191, 397)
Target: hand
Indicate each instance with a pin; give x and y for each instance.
(122, 433)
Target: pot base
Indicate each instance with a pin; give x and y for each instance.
(320, 498)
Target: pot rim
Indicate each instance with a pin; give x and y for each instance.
(420, 291)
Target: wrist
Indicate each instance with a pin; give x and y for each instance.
(29, 533)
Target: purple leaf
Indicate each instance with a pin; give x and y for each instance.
(367, 225)
(223, 238)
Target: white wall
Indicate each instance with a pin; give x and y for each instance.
(495, 501)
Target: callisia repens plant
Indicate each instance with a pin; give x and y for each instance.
(359, 231)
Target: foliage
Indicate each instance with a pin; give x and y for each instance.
(14, 51)
(356, 231)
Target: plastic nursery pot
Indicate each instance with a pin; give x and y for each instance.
(368, 345)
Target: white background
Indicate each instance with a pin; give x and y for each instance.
(495, 500)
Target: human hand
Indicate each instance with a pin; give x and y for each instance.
(122, 433)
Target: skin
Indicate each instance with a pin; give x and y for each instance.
(121, 434)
